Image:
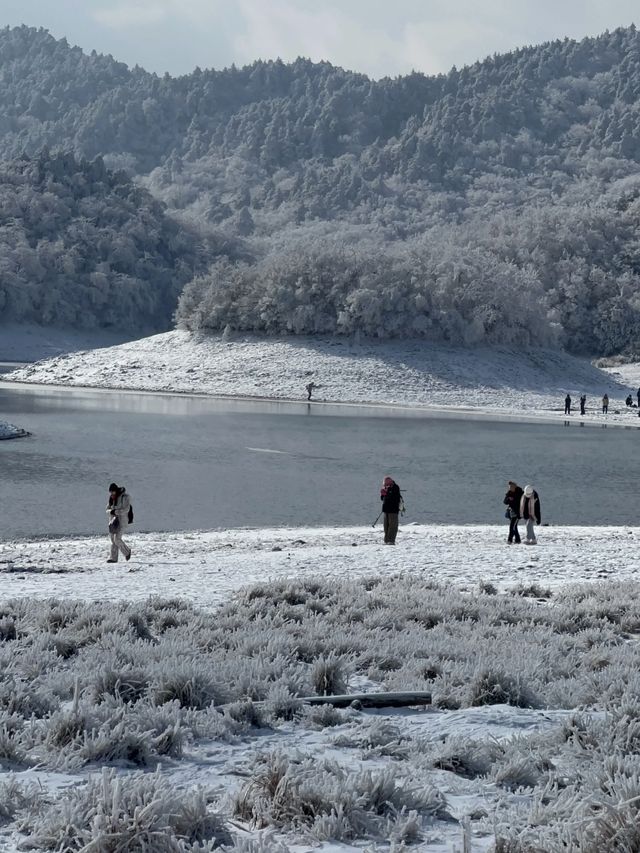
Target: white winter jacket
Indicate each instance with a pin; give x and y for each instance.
(121, 508)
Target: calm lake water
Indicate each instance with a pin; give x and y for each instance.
(196, 463)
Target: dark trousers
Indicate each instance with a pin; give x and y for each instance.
(567, 408)
(390, 527)
(514, 534)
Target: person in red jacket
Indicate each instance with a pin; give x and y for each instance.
(391, 498)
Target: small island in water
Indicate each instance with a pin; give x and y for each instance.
(10, 431)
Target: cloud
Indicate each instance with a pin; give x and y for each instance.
(285, 29)
(135, 13)
(126, 15)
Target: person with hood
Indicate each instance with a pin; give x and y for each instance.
(118, 512)
(530, 511)
(512, 500)
(605, 404)
(391, 498)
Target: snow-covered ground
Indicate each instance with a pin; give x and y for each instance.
(499, 381)
(209, 568)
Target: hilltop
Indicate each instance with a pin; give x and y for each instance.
(496, 204)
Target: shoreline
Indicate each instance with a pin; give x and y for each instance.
(405, 409)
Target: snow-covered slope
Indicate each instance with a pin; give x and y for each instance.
(529, 383)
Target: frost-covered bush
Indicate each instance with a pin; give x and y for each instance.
(138, 813)
(298, 791)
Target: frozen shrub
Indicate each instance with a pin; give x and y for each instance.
(296, 791)
(487, 588)
(323, 716)
(15, 797)
(26, 700)
(139, 627)
(532, 590)
(281, 704)
(496, 688)
(136, 814)
(126, 684)
(328, 676)
(190, 684)
(7, 629)
(467, 758)
(516, 772)
(11, 747)
(245, 712)
(64, 727)
(118, 743)
(380, 738)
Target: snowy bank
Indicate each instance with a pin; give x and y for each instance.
(524, 383)
(208, 567)
(11, 431)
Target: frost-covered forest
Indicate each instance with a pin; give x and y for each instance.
(81, 246)
(495, 204)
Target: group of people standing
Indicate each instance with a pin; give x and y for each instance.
(522, 503)
(605, 403)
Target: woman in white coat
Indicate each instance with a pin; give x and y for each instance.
(118, 513)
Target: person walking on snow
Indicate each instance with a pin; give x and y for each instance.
(583, 402)
(512, 500)
(118, 511)
(567, 405)
(391, 498)
(309, 389)
(530, 511)
(605, 404)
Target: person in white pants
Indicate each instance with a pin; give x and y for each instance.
(530, 511)
(118, 514)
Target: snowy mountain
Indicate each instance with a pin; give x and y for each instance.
(495, 204)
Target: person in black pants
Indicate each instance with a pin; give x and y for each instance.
(512, 500)
(390, 497)
(567, 405)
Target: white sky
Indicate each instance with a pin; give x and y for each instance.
(377, 37)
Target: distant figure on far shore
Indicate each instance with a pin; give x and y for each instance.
(567, 405)
(583, 403)
(629, 401)
(638, 396)
(309, 388)
(605, 404)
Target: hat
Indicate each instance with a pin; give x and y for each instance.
(113, 487)
(388, 481)
(528, 491)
